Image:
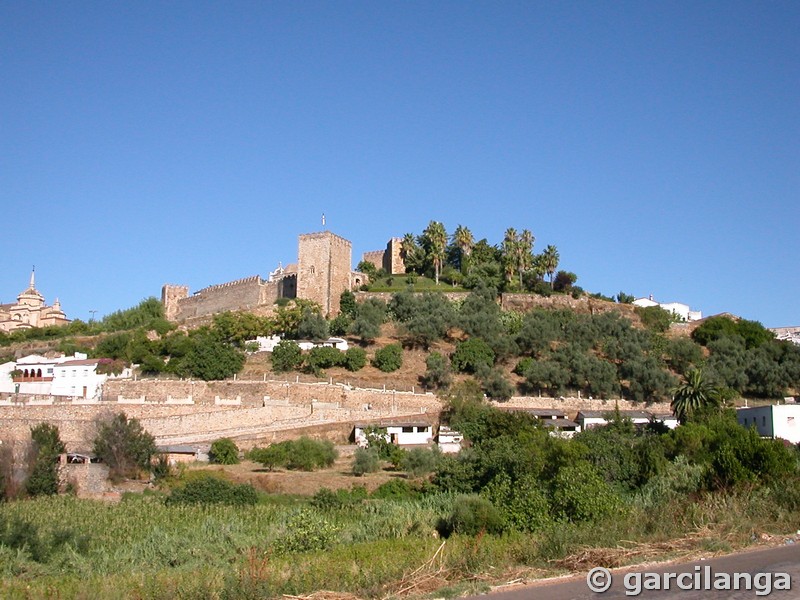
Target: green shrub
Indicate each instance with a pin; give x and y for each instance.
(472, 354)
(522, 503)
(365, 460)
(124, 446)
(306, 454)
(286, 356)
(324, 357)
(306, 531)
(581, 494)
(395, 489)
(47, 445)
(326, 499)
(438, 373)
(224, 451)
(274, 455)
(389, 358)
(213, 490)
(420, 461)
(355, 359)
(472, 515)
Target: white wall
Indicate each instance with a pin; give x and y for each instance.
(778, 421)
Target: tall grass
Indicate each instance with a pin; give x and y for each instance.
(142, 548)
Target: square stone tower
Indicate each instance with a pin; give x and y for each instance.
(324, 263)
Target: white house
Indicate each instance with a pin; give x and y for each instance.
(268, 343)
(677, 308)
(66, 376)
(588, 419)
(450, 440)
(554, 419)
(779, 421)
(401, 433)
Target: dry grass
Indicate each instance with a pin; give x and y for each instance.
(304, 483)
(628, 553)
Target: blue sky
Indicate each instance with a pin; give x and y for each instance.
(657, 145)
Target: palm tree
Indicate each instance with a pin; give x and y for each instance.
(436, 236)
(550, 261)
(510, 248)
(524, 253)
(408, 245)
(462, 237)
(695, 394)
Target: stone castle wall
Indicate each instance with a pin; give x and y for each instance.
(242, 294)
(374, 257)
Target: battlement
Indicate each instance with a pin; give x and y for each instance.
(219, 286)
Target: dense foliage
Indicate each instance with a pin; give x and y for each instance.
(124, 446)
(304, 454)
(224, 451)
(46, 449)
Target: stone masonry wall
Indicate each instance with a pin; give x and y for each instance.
(392, 258)
(183, 412)
(374, 257)
(243, 294)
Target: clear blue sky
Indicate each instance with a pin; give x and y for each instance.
(656, 144)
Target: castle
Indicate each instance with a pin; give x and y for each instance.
(322, 272)
(30, 311)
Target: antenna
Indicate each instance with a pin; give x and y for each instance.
(94, 312)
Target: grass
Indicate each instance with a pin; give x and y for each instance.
(141, 548)
(398, 283)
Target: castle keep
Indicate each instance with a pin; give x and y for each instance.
(323, 271)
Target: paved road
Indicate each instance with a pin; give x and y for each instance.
(783, 559)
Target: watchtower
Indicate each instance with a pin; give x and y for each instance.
(324, 262)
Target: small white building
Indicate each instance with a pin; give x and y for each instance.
(779, 421)
(268, 343)
(587, 419)
(679, 309)
(450, 440)
(65, 376)
(400, 433)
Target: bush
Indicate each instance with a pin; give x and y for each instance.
(438, 373)
(355, 359)
(124, 446)
(286, 356)
(523, 503)
(395, 489)
(274, 455)
(224, 451)
(324, 357)
(306, 531)
(306, 454)
(213, 490)
(472, 515)
(420, 461)
(581, 494)
(47, 446)
(472, 354)
(389, 358)
(365, 461)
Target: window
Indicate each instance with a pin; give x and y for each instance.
(408, 430)
(422, 430)
(312, 269)
(50, 371)
(764, 421)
